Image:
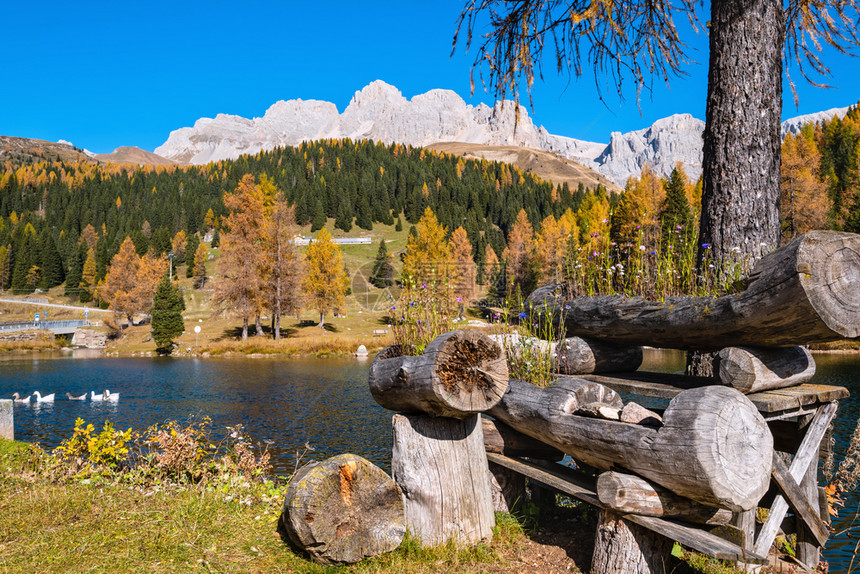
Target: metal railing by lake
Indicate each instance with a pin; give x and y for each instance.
(56, 327)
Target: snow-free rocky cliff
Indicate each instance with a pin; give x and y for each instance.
(380, 112)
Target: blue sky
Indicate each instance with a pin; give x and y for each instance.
(106, 74)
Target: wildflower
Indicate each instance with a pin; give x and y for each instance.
(393, 307)
(678, 227)
(459, 299)
(605, 221)
(641, 248)
(638, 227)
(706, 245)
(522, 315)
(653, 253)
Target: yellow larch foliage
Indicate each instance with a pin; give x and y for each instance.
(325, 282)
(463, 272)
(428, 254)
(520, 249)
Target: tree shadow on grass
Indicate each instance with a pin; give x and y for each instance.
(235, 333)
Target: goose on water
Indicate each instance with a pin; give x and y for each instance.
(45, 399)
(109, 396)
(17, 398)
(95, 397)
(72, 397)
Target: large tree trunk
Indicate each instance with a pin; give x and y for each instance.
(740, 166)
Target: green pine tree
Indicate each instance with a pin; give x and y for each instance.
(676, 220)
(216, 239)
(76, 270)
(383, 271)
(318, 221)
(167, 323)
(50, 262)
(190, 249)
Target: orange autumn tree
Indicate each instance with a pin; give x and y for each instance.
(463, 273)
(803, 201)
(519, 253)
(130, 283)
(325, 282)
(240, 289)
(284, 268)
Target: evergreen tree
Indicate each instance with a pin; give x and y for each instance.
(50, 262)
(676, 220)
(318, 221)
(167, 323)
(216, 239)
(399, 225)
(89, 277)
(161, 242)
(76, 270)
(24, 262)
(140, 241)
(191, 245)
(383, 271)
(5, 267)
(344, 217)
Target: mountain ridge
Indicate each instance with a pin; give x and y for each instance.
(380, 112)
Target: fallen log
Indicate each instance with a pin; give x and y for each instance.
(630, 494)
(582, 356)
(460, 373)
(440, 465)
(343, 509)
(714, 447)
(804, 292)
(750, 369)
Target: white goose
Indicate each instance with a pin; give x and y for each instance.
(45, 399)
(109, 396)
(96, 398)
(72, 397)
(17, 398)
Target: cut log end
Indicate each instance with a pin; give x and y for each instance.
(732, 444)
(473, 364)
(343, 509)
(829, 266)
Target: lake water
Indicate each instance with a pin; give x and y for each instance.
(288, 403)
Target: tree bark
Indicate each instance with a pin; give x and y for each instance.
(582, 356)
(502, 439)
(441, 467)
(621, 547)
(714, 447)
(750, 369)
(804, 292)
(740, 165)
(629, 494)
(461, 373)
(343, 509)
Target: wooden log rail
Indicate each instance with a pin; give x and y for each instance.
(804, 292)
(713, 446)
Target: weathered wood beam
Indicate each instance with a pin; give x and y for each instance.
(755, 369)
(714, 447)
(580, 355)
(804, 292)
(806, 455)
(459, 374)
(798, 501)
(440, 465)
(629, 494)
(502, 439)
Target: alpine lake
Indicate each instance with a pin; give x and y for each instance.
(300, 409)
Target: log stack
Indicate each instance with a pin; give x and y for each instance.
(438, 458)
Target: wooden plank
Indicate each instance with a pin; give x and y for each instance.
(798, 501)
(808, 549)
(807, 452)
(667, 385)
(573, 483)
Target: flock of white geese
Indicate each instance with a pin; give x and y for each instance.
(106, 396)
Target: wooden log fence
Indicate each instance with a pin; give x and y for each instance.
(805, 292)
